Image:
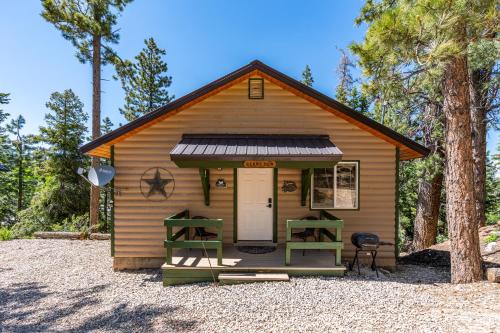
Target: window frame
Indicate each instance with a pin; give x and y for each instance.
(358, 201)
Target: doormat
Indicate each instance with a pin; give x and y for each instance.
(256, 249)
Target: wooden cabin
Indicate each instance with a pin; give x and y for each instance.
(247, 157)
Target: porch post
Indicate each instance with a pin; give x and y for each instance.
(168, 250)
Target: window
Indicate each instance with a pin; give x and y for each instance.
(337, 187)
(256, 88)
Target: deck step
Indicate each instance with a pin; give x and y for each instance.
(252, 277)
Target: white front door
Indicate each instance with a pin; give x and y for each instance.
(255, 202)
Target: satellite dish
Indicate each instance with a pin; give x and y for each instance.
(101, 175)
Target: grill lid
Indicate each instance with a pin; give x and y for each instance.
(365, 239)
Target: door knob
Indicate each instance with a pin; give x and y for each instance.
(269, 202)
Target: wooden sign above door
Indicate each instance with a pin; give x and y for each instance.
(259, 164)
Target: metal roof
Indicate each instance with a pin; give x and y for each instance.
(242, 147)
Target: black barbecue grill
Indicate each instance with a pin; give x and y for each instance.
(366, 242)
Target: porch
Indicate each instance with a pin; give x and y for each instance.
(193, 266)
(189, 260)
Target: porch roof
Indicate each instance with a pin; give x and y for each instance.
(255, 147)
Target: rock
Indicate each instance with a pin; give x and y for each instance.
(490, 247)
(493, 274)
(99, 236)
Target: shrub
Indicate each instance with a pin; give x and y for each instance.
(77, 223)
(5, 234)
(441, 238)
(492, 218)
(29, 221)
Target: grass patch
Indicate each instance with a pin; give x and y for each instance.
(5, 234)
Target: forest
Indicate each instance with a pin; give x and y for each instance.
(428, 69)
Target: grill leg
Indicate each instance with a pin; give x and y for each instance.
(356, 260)
(351, 266)
(374, 264)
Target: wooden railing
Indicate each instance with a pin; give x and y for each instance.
(327, 221)
(183, 221)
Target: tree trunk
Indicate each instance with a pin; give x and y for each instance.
(478, 111)
(460, 204)
(20, 180)
(96, 122)
(426, 219)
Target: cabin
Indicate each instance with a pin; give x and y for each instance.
(252, 173)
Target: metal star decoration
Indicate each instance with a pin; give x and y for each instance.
(157, 184)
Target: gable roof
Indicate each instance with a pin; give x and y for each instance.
(409, 149)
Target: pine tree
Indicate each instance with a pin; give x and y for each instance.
(307, 77)
(19, 142)
(346, 80)
(484, 84)
(358, 101)
(145, 81)
(492, 204)
(409, 100)
(89, 26)
(4, 99)
(7, 206)
(107, 126)
(434, 36)
(346, 92)
(65, 191)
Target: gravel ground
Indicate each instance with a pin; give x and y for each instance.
(69, 286)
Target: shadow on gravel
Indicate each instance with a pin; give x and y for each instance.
(143, 318)
(427, 257)
(29, 307)
(13, 299)
(150, 275)
(406, 274)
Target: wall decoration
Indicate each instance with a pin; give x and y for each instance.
(157, 184)
(288, 186)
(259, 164)
(220, 183)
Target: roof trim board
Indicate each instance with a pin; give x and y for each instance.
(101, 146)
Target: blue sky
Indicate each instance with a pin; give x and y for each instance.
(204, 40)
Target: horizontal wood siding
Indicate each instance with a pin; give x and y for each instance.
(139, 227)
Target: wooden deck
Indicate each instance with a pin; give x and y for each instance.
(193, 266)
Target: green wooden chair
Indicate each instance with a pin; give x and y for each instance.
(307, 232)
(201, 231)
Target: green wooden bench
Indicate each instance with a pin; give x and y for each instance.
(183, 221)
(327, 240)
